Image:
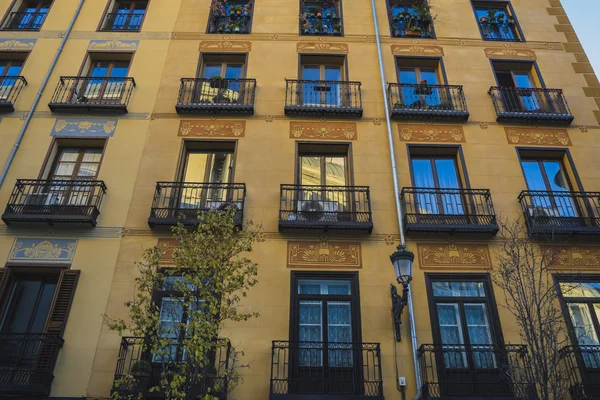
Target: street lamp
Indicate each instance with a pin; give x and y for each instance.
(402, 260)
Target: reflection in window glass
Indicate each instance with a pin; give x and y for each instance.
(458, 289)
(310, 286)
(580, 289)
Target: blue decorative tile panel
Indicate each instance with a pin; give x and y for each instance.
(27, 251)
(114, 45)
(84, 127)
(17, 44)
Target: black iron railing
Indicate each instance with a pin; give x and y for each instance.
(227, 24)
(10, 88)
(410, 25)
(343, 208)
(182, 202)
(27, 362)
(448, 210)
(216, 95)
(131, 22)
(422, 100)
(135, 351)
(321, 26)
(347, 370)
(580, 365)
(547, 106)
(481, 371)
(91, 93)
(27, 21)
(303, 97)
(561, 212)
(55, 201)
(505, 31)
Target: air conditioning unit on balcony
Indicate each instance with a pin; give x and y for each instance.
(540, 212)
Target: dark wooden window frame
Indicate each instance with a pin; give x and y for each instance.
(324, 149)
(108, 9)
(58, 144)
(192, 145)
(533, 69)
(560, 154)
(432, 151)
(224, 59)
(11, 9)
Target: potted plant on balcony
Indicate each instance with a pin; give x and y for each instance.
(141, 371)
(246, 10)
(306, 27)
(319, 12)
(237, 9)
(423, 88)
(413, 31)
(311, 12)
(319, 27)
(221, 27)
(237, 26)
(328, 15)
(337, 29)
(217, 82)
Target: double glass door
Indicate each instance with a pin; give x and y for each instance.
(229, 91)
(421, 94)
(31, 15)
(9, 71)
(432, 176)
(128, 15)
(521, 99)
(98, 88)
(321, 85)
(547, 175)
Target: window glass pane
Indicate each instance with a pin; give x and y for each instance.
(211, 70)
(335, 169)
(173, 283)
(92, 156)
(21, 306)
(458, 289)
(171, 315)
(430, 76)
(310, 170)
(41, 315)
(329, 287)
(447, 174)
(522, 80)
(583, 324)
(119, 70)
(479, 331)
(533, 175)
(556, 176)
(311, 330)
(333, 73)
(408, 76)
(451, 334)
(14, 69)
(312, 73)
(195, 168)
(233, 71)
(220, 167)
(580, 289)
(339, 323)
(423, 173)
(100, 69)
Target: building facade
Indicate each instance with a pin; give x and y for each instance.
(122, 117)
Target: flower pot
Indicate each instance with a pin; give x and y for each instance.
(410, 32)
(423, 90)
(318, 15)
(238, 13)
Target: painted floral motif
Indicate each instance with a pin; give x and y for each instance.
(535, 136)
(324, 254)
(43, 250)
(468, 255)
(323, 130)
(438, 133)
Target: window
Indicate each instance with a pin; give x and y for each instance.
(321, 17)
(323, 165)
(496, 21)
(27, 15)
(230, 16)
(419, 83)
(581, 302)
(410, 18)
(518, 82)
(125, 15)
(10, 69)
(224, 73)
(320, 76)
(105, 75)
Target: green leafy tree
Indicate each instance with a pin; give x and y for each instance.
(206, 283)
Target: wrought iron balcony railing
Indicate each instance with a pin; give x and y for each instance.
(176, 202)
(304, 97)
(321, 26)
(423, 101)
(230, 24)
(10, 88)
(448, 210)
(340, 370)
(55, 202)
(504, 32)
(128, 22)
(561, 213)
(458, 371)
(326, 208)
(580, 365)
(27, 363)
(134, 352)
(216, 95)
(541, 106)
(24, 21)
(408, 25)
(85, 94)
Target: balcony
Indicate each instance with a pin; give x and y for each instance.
(181, 202)
(412, 25)
(233, 23)
(27, 363)
(475, 371)
(423, 101)
(133, 355)
(581, 367)
(122, 22)
(305, 371)
(216, 96)
(10, 88)
(54, 202)
(561, 213)
(502, 31)
(448, 210)
(536, 106)
(327, 25)
(24, 21)
(325, 208)
(322, 98)
(82, 94)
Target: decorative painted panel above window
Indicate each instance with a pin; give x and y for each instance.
(230, 16)
(410, 19)
(496, 21)
(321, 18)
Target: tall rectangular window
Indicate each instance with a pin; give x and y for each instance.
(27, 15)
(321, 17)
(124, 15)
(496, 21)
(437, 172)
(230, 16)
(321, 81)
(410, 19)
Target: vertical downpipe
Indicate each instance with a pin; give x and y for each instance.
(413, 329)
(39, 95)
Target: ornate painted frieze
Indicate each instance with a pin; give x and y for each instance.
(324, 255)
(167, 247)
(431, 133)
(225, 45)
(17, 44)
(196, 128)
(416, 50)
(323, 130)
(537, 136)
(42, 251)
(516, 54)
(436, 255)
(322, 47)
(578, 257)
(84, 127)
(114, 45)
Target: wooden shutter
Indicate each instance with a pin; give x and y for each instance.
(61, 304)
(6, 284)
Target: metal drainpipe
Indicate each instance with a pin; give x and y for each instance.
(39, 95)
(413, 329)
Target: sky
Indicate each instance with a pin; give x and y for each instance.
(584, 17)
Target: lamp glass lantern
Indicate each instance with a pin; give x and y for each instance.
(402, 259)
